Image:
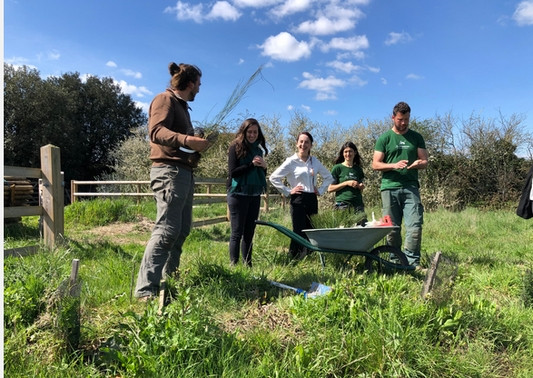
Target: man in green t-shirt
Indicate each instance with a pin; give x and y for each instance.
(399, 154)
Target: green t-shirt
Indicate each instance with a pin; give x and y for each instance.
(350, 195)
(398, 147)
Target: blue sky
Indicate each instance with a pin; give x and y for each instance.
(336, 62)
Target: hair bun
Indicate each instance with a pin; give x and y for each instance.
(173, 68)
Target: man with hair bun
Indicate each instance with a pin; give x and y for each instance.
(174, 151)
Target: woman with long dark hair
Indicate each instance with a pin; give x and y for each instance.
(246, 182)
(348, 179)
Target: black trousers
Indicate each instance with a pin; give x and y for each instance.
(244, 211)
(302, 207)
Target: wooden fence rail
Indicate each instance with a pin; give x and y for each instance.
(199, 198)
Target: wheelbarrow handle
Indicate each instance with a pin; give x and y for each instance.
(283, 286)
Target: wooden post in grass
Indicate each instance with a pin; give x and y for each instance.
(52, 192)
(162, 296)
(73, 280)
(69, 309)
(431, 274)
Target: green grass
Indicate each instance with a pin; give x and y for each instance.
(230, 322)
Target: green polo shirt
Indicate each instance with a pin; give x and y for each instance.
(350, 195)
(398, 147)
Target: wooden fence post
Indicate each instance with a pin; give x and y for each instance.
(73, 189)
(73, 280)
(430, 277)
(53, 201)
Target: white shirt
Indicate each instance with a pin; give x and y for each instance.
(299, 172)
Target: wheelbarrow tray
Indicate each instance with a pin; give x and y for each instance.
(356, 241)
(348, 239)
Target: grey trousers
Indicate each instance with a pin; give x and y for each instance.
(173, 191)
(404, 205)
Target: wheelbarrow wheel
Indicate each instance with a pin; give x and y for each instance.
(386, 259)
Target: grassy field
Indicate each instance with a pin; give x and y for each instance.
(231, 322)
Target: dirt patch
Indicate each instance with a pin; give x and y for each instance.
(132, 232)
(269, 317)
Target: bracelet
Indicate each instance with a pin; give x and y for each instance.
(185, 140)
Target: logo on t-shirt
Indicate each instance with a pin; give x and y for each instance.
(402, 145)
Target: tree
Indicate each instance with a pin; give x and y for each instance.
(22, 122)
(85, 119)
(130, 159)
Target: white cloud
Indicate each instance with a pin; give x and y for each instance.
(84, 77)
(307, 108)
(285, 47)
(333, 19)
(358, 81)
(220, 10)
(352, 44)
(358, 2)
(413, 76)
(134, 74)
(333, 10)
(383, 81)
(225, 11)
(523, 14)
(254, 3)
(290, 7)
(186, 11)
(347, 67)
(145, 106)
(133, 89)
(17, 62)
(125, 71)
(395, 38)
(325, 88)
(325, 26)
(53, 55)
(290, 107)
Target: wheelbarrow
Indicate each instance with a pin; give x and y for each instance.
(352, 241)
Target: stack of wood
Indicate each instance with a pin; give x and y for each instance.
(18, 191)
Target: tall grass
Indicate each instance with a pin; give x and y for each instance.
(231, 322)
(105, 211)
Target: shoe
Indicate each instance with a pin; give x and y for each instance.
(146, 298)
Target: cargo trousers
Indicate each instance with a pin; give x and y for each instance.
(173, 188)
(404, 205)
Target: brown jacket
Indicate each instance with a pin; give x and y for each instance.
(168, 125)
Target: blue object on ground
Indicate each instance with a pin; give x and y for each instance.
(315, 290)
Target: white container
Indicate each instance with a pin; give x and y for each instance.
(355, 239)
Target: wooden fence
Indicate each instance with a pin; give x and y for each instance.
(51, 203)
(142, 190)
(51, 197)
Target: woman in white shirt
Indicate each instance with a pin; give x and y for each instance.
(301, 171)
